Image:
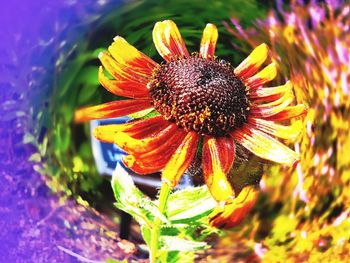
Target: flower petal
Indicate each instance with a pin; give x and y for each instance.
(137, 146)
(251, 64)
(285, 132)
(208, 42)
(218, 158)
(265, 146)
(124, 88)
(146, 127)
(130, 162)
(106, 133)
(130, 57)
(271, 93)
(111, 110)
(288, 113)
(164, 150)
(271, 108)
(137, 129)
(120, 71)
(168, 41)
(264, 76)
(155, 160)
(236, 210)
(181, 159)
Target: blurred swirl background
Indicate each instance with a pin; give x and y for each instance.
(55, 207)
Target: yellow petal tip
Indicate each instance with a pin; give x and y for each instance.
(260, 53)
(288, 85)
(272, 69)
(77, 116)
(263, 48)
(100, 55)
(118, 38)
(211, 25)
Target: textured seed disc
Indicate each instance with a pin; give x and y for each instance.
(200, 95)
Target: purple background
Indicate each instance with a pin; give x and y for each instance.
(33, 223)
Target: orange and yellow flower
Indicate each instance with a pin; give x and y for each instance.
(199, 99)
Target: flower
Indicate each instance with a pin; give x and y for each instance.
(199, 99)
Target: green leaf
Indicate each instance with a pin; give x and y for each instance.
(183, 257)
(146, 234)
(86, 93)
(171, 243)
(197, 229)
(190, 204)
(88, 75)
(172, 230)
(61, 137)
(70, 73)
(131, 200)
(43, 146)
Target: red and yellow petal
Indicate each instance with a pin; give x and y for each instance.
(168, 41)
(218, 158)
(124, 88)
(136, 146)
(270, 93)
(265, 146)
(165, 150)
(272, 108)
(146, 128)
(181, 159)
(290, 132)
(289, 113)
(131, 162)
(155, 160)
(252, 63)
(122, 72)
(129, 57)
(112, 109)
(137, 129)
(233, 212)
(106, 133)
(264, 76)
(208, 42)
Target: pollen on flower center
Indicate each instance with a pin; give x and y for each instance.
(200, 95)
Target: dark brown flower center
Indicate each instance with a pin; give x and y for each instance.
(200, 95)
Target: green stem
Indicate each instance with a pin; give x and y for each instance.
(163, 200)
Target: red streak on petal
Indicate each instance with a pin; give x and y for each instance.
(111, 110)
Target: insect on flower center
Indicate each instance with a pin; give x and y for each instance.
(200, 95)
